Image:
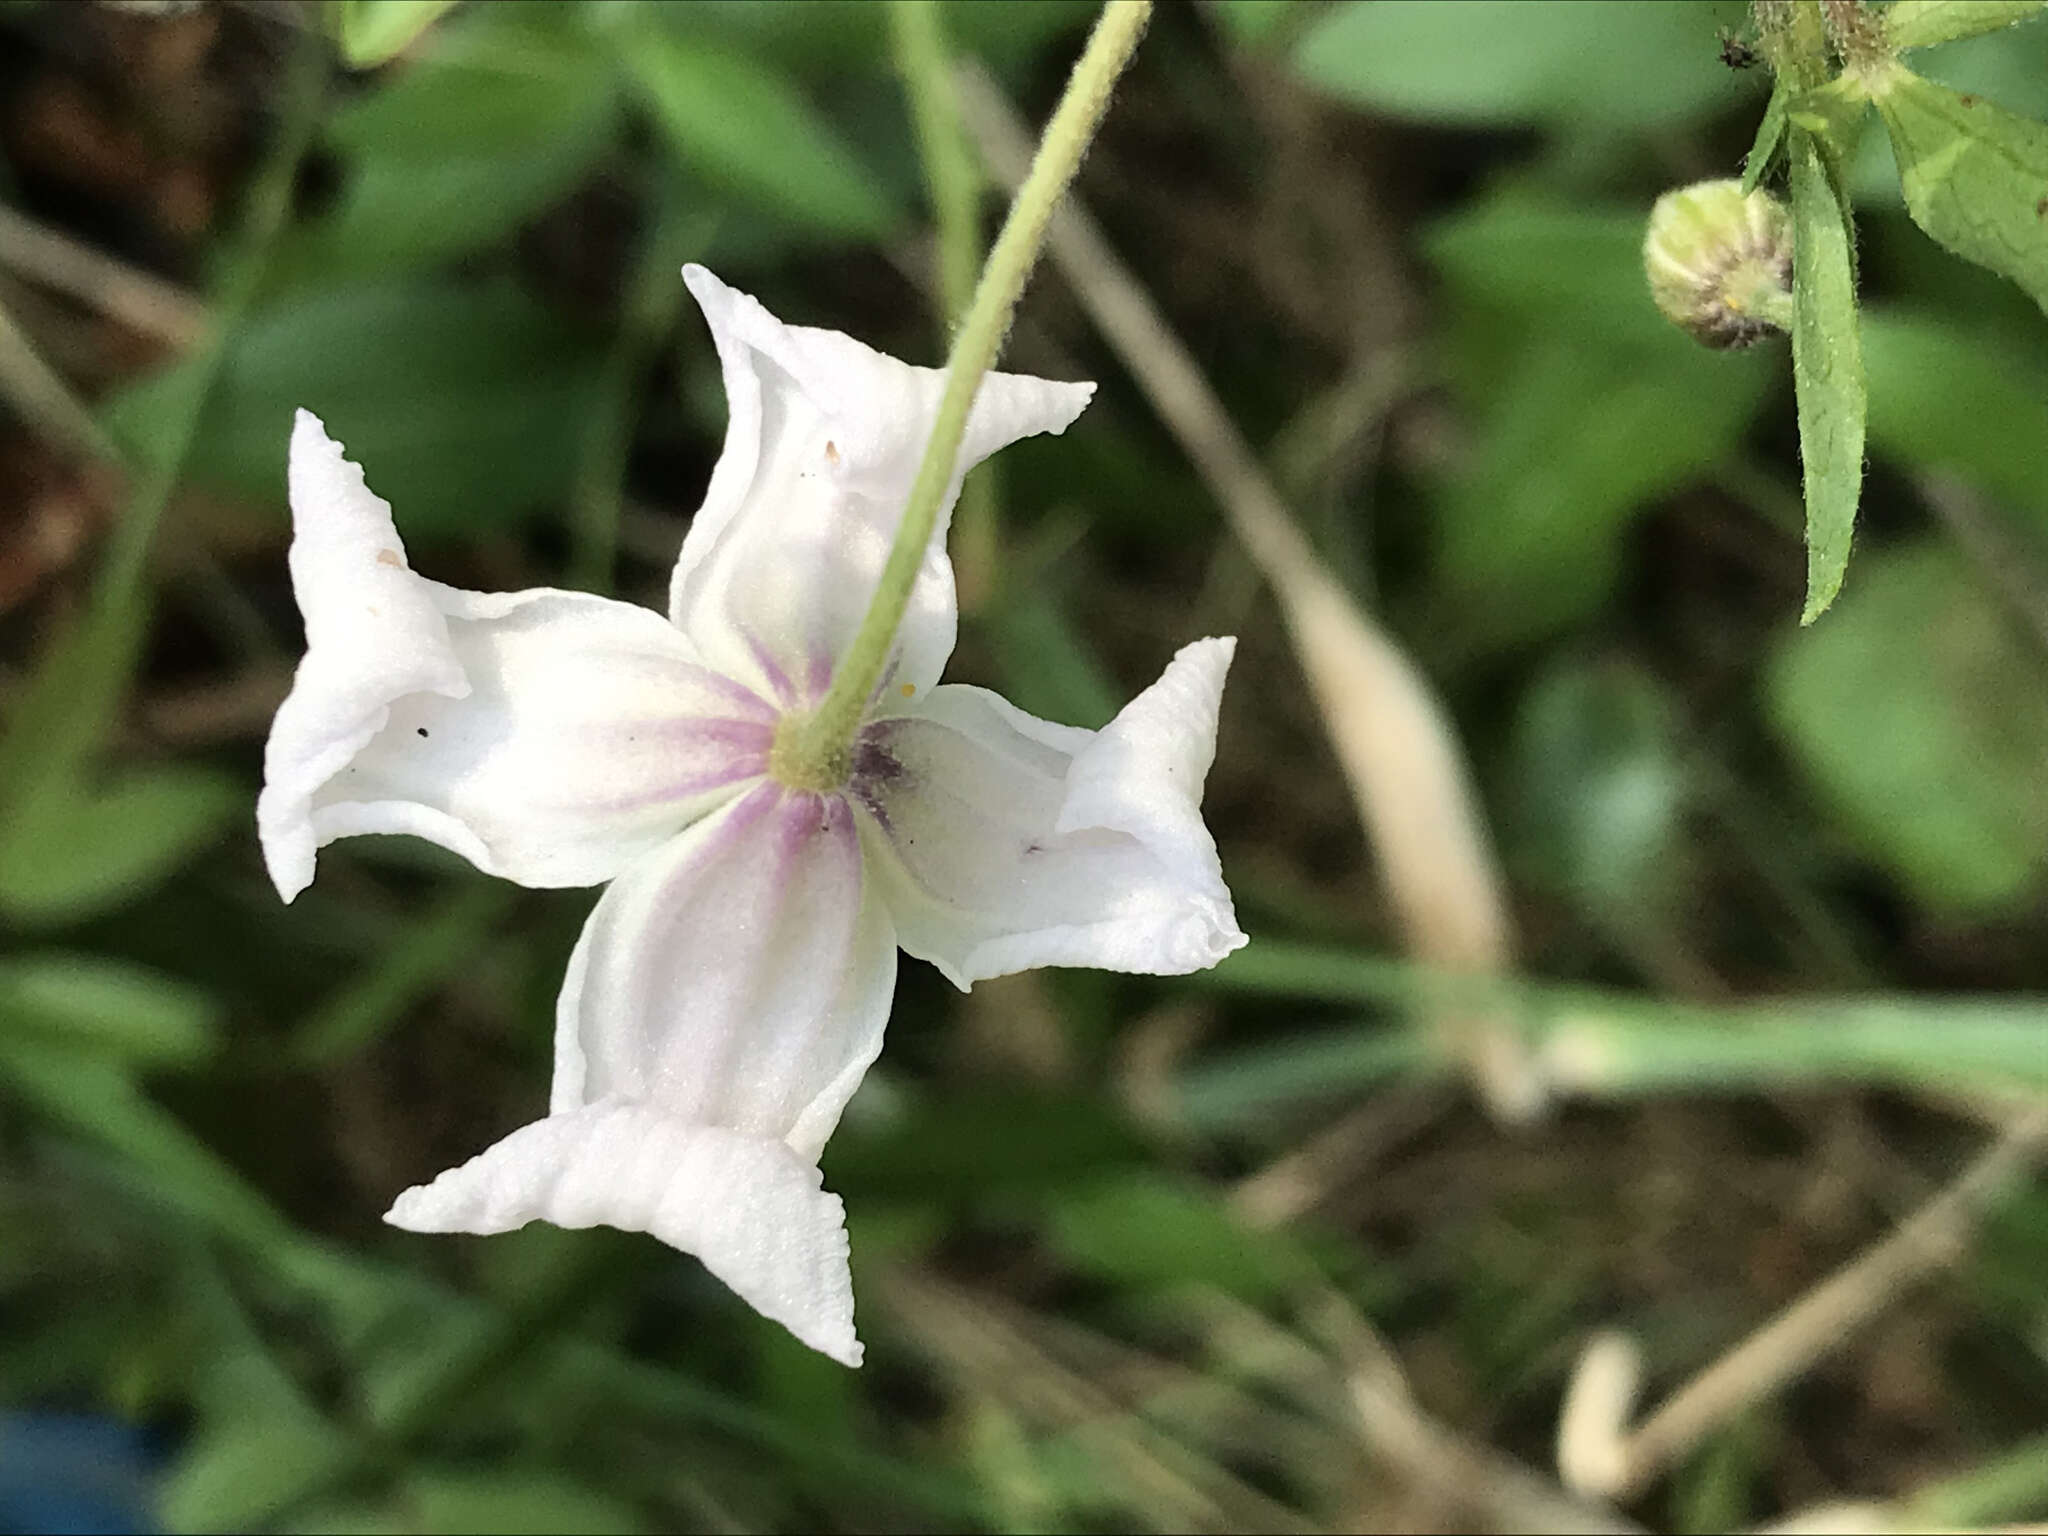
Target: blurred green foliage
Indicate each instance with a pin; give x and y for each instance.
(1764, 869)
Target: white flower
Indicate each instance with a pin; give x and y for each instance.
(730, 988)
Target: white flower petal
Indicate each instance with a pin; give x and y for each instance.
(1002, 842)
(824, 439)
(753, 1210)
(549, 737)
(739, 977)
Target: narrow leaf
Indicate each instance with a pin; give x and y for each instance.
(373, 31)
(1943, 397)
(65, 855)
(1827, 371)
(97, 1100)
(106, 1007)
(1975, 176)
(744, 127)
(1919, 714)
(1769, 134)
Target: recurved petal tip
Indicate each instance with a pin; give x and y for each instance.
(750, 1208)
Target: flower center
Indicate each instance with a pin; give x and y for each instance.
(799, 760)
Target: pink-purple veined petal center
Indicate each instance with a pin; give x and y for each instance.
(797, 679)
(804, 858)
(704, 755)
(713, 977)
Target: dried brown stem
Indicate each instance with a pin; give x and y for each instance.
(1818, 1322)
(1392, 736)
(144, 303)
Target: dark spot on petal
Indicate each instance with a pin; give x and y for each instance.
(875, 768)
(420, 730)
(874, 764)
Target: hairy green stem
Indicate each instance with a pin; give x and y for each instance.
(812, 752)
(1795, 40)
(953, 180)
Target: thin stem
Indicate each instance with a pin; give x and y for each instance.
(263, 216)
(139, 300)
(1392, 736)
(823, 739)
(1787, 1346)
(38, 392)
(950, 173)
(652, 301)
(69, 705)
(953, 181)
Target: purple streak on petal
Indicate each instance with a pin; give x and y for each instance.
(744, 756)
(778, 679)
(755, 804)
(683, 789)
(821, 674)
(805, 826)
(748, 704)
(743, 736)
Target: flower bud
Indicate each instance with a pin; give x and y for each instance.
(1720, 263)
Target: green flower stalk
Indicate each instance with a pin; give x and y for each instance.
(816, 749)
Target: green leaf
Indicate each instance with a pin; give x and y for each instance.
(1504, 62)
(1827, 371)
(66, 856)
(1975, 176)
(743, 127)
(956, 1147)
(108, 1007)
(1253, 24)
(833, 39)
(1550, 265)
(1923, 23)
(2012, 1485)
(246, 1471)
(463, 403)
(1579, 438)
(1145, 1229)
(819, 37)
(1770, 133)
(500, 78)
(1922, 717)
(58, 721)
(1946, 398)
(516, 1501)
(498, 122)
(1251, 1092)
(432, 946)
(1597, 789)
(2010, 68)
(374, 31)
(97, 1099)
(1047, 667)
(1589, 406)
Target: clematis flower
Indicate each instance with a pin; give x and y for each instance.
(730, 988)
